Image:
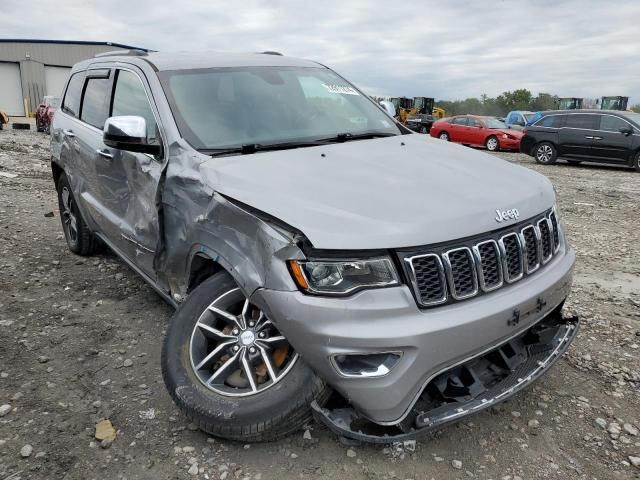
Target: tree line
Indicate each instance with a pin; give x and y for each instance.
(520, 99)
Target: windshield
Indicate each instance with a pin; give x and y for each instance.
(494, 123)
(634, 117)
(228, 107)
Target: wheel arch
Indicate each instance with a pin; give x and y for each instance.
(56, 171)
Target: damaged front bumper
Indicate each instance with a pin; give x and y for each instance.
(466, 388)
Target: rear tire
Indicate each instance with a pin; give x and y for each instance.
(444, 136)
(232, 406)
(636, 161)
(545, 153)
(79, 238)
(492, 144)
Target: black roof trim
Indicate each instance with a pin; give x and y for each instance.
(69, 42)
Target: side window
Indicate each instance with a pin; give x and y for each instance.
(72, 96)
(472, 122)
(95, 102)
(611, 123)
(548, 121)
(130, 98)
(460, 121)
(587, 122)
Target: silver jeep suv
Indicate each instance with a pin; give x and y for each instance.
(322, 258)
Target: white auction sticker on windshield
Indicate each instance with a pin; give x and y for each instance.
(344, 89)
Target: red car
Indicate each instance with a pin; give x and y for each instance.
(44, 114)
(478, 131)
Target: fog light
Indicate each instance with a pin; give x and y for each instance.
(365, 365)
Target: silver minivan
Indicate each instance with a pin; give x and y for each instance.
(322, 259)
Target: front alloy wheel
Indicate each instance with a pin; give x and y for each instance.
(444, 136)
(231, 371)
(545, 153)
(236, 350)
(492, 144)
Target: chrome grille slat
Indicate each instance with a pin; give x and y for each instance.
(530, 238)
(512, 261)
(490, 274)
(460, 269)
(464, 271)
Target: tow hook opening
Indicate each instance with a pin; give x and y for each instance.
(472, 386)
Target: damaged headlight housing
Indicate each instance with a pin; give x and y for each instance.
(342, 277)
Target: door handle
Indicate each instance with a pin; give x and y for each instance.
(589, 137)
(69, 133)
(597, 138)
(105, 154)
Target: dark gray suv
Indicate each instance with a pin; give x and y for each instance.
(601, 136)
(321, 257)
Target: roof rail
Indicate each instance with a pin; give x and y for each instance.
(270, 52)
(132, 52)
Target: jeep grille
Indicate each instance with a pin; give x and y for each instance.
(465, 269)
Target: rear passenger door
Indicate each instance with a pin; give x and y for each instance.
(458, 130)
(94, 110)
(576, 137)
(609, 143)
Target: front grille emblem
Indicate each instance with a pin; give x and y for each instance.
(506, 215)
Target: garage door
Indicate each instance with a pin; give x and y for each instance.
(11, 90)
(55, 78)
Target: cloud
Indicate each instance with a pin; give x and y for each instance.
(447, 50)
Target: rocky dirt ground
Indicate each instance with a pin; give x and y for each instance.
(80, 342)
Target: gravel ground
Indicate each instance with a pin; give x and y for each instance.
(80, 342)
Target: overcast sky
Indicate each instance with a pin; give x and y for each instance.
(447, 50)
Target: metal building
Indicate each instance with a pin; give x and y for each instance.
(31, 69)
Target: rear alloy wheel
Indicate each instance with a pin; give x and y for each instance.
(444, 136)
(492, 144)
(231, 371)
(546, 153)
(79, 238)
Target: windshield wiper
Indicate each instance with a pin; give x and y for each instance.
(347, 136)
(256, 147)
(249, 148)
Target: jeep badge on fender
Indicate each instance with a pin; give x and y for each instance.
(503, 215)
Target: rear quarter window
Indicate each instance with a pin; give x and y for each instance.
(73, 94)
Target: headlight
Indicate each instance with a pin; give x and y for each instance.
(341, 277)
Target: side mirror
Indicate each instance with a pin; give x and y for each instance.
(128, 133)
(389, 108)
(626, 131)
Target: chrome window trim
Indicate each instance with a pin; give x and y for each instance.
(551, 242)
(480, 269)
(525, 255)
(414, 283)
(505, 265)
(449, 273)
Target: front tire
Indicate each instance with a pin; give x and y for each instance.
(444, 136)
(79, 238)
(492, 144)
(423, 129)
(636, 162)
(546, 153)
(231, 372)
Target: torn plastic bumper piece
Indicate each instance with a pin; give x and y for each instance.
(467, 388)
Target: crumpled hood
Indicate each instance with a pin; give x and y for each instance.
(390, 192)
